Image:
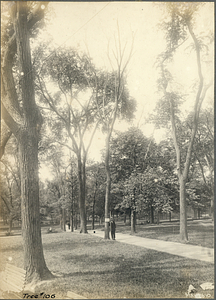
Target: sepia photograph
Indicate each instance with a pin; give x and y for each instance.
(107, 150)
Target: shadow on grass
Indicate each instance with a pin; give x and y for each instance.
(156, 273)
(91, 260)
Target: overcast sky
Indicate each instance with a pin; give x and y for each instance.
(90, 26)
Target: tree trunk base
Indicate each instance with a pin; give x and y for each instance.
(106, 237)
(106, 231)
(35, 278)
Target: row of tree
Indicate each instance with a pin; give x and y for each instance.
(143, 176)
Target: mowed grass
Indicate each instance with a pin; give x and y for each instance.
(98, 268)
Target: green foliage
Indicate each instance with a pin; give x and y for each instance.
(180, 14)
(150, 188)
(130, 150)
(137, 183)
(175, 30)
(109, 88)
(161, 114)
(180, 17)
(166, 156)
(128, 107)
(69, 69)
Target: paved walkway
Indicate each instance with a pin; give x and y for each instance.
(185, 250)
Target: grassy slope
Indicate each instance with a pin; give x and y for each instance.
(98, 268)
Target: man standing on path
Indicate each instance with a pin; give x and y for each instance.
(113, 228)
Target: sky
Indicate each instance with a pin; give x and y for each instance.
(92, 26)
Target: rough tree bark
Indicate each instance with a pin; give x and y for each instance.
(27, 134)
(28, 155)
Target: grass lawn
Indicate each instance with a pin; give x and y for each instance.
(98, 268)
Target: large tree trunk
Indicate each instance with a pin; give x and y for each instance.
(81, 178)
(28, 157)
(183, 212)
(108, 186)
(31, 231)
(212, 203)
